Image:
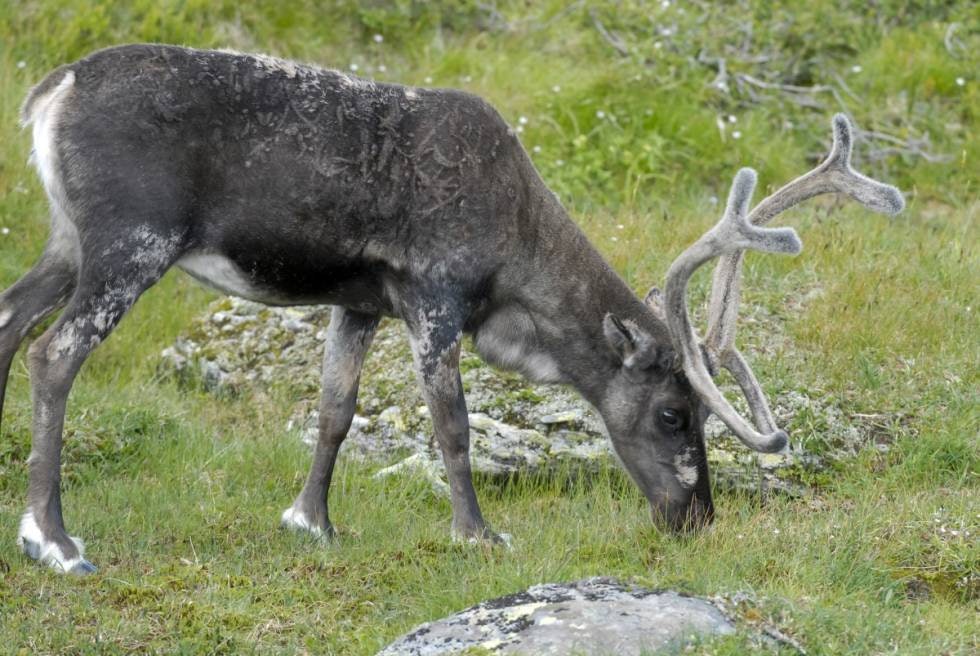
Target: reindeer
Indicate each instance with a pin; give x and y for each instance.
(290, 184)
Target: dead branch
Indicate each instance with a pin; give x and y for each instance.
(611, 38)
(953, 45)
(911, 146)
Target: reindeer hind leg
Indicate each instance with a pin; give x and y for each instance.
(111, 278)
(41, 291)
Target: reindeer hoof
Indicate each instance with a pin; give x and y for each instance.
(31, 549)
(297, 520)
(487, 537)
(83, 568)
(53, 558)
(35, 546)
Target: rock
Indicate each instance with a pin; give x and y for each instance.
(431, 470)
(591, 617)
(392, 416)
(567, 417)
(516, 426)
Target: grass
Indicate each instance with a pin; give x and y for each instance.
(178, 493)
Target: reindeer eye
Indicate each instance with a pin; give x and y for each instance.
(672, 418)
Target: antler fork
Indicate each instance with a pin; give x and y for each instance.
(735, 233)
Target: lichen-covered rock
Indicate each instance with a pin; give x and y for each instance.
(594, 617)
(516, 426)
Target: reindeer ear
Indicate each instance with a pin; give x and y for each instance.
(655, 301)
(619, 338)
(635, 348)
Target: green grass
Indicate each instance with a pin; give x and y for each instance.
(178, 493)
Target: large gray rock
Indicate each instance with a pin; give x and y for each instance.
(243, 347)
(594, 617)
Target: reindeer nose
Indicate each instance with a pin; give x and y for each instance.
(696, 515)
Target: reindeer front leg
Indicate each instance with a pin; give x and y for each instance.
(435, 335)
(348, 338)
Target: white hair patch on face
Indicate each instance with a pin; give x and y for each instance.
(687, 470)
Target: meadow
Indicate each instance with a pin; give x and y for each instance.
(637, 115)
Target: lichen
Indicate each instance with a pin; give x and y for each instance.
(237, 347)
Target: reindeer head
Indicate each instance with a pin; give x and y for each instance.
(662, 445)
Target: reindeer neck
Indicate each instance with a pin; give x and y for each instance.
(563, 289)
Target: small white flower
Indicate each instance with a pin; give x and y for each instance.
(615, 238)
(556, 88)
(378, 38)
(467, 78)
(960, 82)
(5, 230)
(731, 118)
(428, 80)
(559, 162)
(713, 200)
(536, 149)
(856, 68)
(736, 134)
(600, 114)
(666, 31)
(382, 68)
(657, 45)
(520, 129)
(522, 120)
(23, 64)
(775, 531)
(354, 67)
(620, 226)
(665, 4)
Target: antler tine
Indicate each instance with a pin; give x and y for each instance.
(732, 234)
(835, 174)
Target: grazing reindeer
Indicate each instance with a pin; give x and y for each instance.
(290, 184)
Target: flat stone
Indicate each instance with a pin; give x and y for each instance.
(591, 617)
(566, 417)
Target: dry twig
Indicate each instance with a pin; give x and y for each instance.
(611, 38)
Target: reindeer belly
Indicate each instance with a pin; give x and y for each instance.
(222, 274)
(280, 282)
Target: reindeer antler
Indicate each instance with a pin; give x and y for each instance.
(735, 233)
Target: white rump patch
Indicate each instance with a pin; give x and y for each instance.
(44, 117)
(50, 553)
(297, 521)
(687, 471)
